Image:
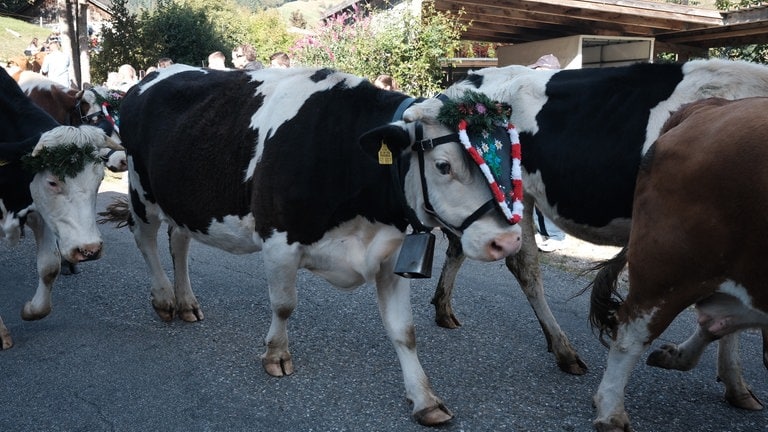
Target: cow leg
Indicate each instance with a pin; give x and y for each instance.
(624, 353)
(454, 257)
(48, 268)
(395, 308)
(765, 347)
(281, 263)
(5, 336)
(145, 235)
(525, 266)
(681, 357)
(686, 356)
(730, 373)
(187, 306)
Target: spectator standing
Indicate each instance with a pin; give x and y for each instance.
(279, 60)
(126, 77)
(56, 65)
(244, 57)
(164, 62)
(549, 237)
(216, 60)
(385, 82)
(33, 48)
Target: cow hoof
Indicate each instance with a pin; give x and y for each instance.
(573, 366)
(165, 309)
(746, 401)
(191, 314)
(165, 314)
(433, 416)
(68, 268)
(447, 320)
(279, 367)
(667, 357)
(5, 338)
(607, 427)
(28, 313)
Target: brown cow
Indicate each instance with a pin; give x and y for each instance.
(699, 237)
(74, 107)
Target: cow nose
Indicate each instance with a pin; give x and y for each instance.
(504, 245)
(88, 252)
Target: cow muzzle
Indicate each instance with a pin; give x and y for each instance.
(85, 252)
(504, 245)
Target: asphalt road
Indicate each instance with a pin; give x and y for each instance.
(103, 361)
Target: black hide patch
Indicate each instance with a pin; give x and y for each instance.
(190, 142)
(21, 124)
(591, 133)
(190, 139)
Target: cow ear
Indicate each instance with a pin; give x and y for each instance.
(384, 144)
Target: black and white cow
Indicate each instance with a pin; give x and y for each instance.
(53, 189)
(282, 161)
(583, 133)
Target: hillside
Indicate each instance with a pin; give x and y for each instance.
(312, 10)
(13, 46)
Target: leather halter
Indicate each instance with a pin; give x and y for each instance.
(420, 146)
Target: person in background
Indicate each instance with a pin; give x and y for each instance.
(279, 60)
(33, 48)
(244, 57)
(164, 62)
(549, 237)
(56, 65)
(385, 82)
(216, 60)
(126, 77)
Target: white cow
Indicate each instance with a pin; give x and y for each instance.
(49, 178)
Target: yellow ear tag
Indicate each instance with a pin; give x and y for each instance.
(385, 155)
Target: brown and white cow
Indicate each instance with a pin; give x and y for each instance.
(74, 107)
(49, 178)
(699, 236)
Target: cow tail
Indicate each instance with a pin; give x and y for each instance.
(118, 213)
(605, 299)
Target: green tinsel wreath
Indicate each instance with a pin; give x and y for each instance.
(65, 160)
(477, 109)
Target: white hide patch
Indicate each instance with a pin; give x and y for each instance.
(233, 234)
(520, 86)
(352, 253)
(737, 291)
(278, 107)
(164, 73)
(703, 79)
(634, 333)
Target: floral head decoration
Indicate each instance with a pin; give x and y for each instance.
(111, 99)
(494, 145)
(63, 161)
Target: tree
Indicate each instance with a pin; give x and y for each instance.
(267, 32)
(180, 31)
(757, 53)
(407, 45)
(120, 43)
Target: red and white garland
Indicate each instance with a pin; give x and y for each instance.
(515, 214)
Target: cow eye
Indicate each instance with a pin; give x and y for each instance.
(443, 167)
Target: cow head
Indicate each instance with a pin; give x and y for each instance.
(442, 184)
(100, 108)
(68, 172)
